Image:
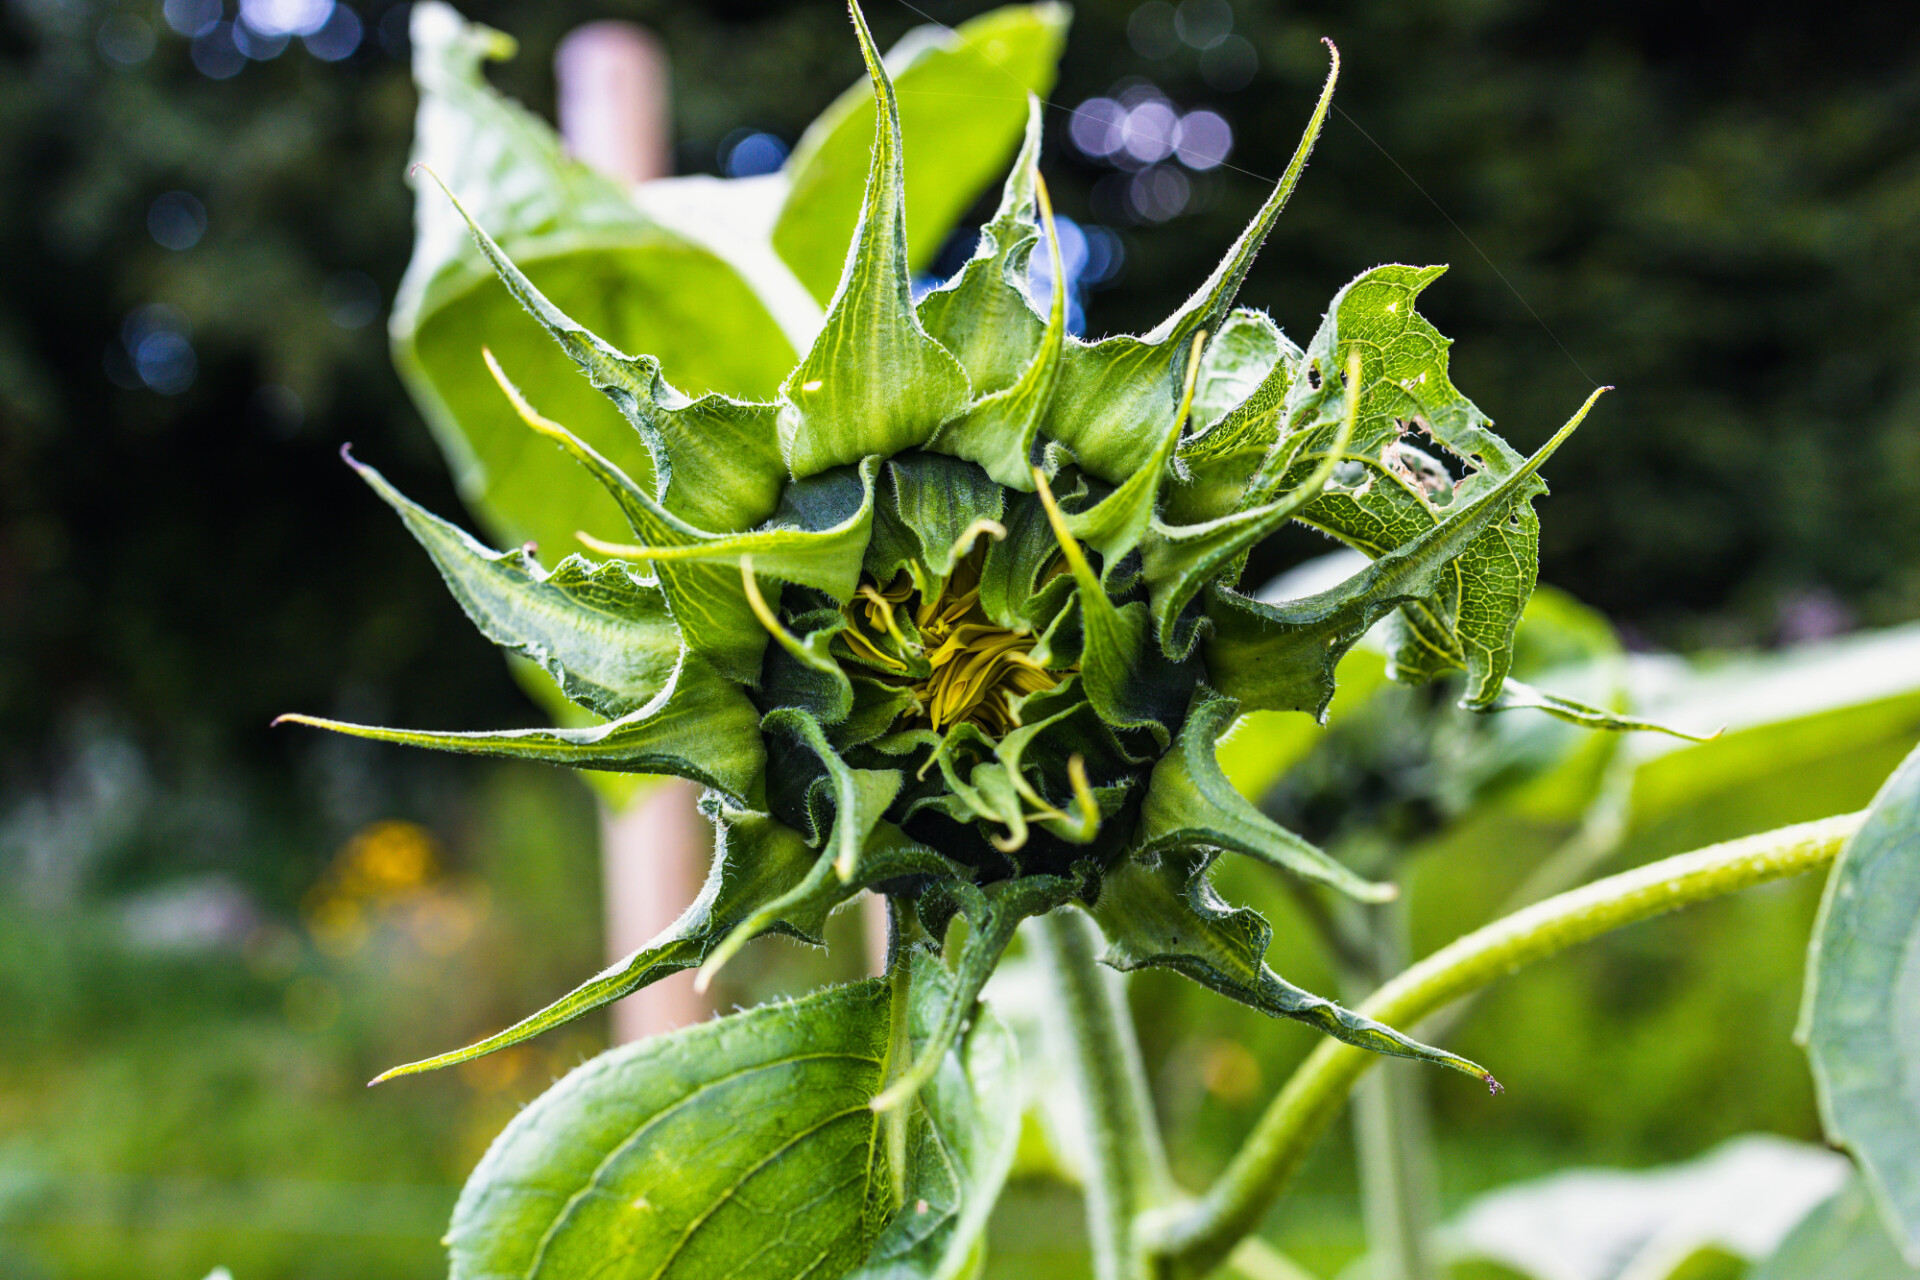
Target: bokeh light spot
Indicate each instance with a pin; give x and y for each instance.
(1150, 30)
(284, 18)
(176, 220)
(1230, 65)
(338, 38)
(747, 153)
(1203, 24)
(125, 40)
(191, 17)
(215, 55)
(1206, 139)
(351, 299)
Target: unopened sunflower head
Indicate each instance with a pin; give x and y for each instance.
(957, 617)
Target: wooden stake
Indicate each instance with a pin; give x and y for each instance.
(616, 115)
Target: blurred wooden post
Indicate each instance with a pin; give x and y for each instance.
(615, 115)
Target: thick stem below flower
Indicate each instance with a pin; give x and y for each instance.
(1193, 1239)
(1128, 1174)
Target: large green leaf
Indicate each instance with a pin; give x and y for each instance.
(1861, 1021)
(750, 1145)
(1843, 1239)
(742, 1146)
(583, 242)
(963, 102)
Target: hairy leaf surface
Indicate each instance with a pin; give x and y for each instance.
(960, 1144)
(1861, 1021)
(744, 1145)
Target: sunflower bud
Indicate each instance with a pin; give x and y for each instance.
(957, 616)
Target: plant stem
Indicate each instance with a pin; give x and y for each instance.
(1195, 1238)
(1393, 1142)
(1602, 830)
(1128, 1166)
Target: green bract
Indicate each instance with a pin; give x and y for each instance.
(956, 615)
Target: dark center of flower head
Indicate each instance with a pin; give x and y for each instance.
(958, 663)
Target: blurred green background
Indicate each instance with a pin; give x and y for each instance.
(211, 933)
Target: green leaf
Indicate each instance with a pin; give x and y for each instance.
(1009, 577)
(1515, 695)
(962, 100)
(984, 314)
(1397, 493)
(960, 1144)
(986, 318)
(816, 537)
(930, 511)
(1217, 463)
(708, 607)
(1861, 1019)
(1282, 657)
(874, 382)
(1843, 1239)
(1781, 712)
(994, 912)
(1238, 363)
(888, 853)
(757, 861)
(1114, 525)
(601, 631)
(1166, 914)
(1127, 679)
(700, 727)
(1190, 805)
(857, 796)
(745, 1145)
(585, 245)
(804, 673)
(1179, 560)
(1119, 397)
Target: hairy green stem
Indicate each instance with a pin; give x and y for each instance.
(1193, 1239)
(1393, 1141)
(1128, 1165)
